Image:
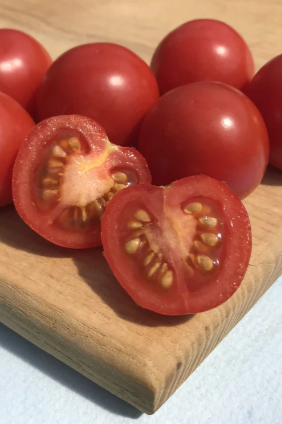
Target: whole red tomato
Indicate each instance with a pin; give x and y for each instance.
(15, 123)
(23, 63)
(202, 50)
(103, 81)
(206, 128)
(265, 90)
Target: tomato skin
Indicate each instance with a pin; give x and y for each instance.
(265, 90)
(202, 50)
(31, 157)
(109, 84)
(206, 128)
(219, 287)
(23, 63)
(15, 123)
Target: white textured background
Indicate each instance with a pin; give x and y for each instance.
(239, 383)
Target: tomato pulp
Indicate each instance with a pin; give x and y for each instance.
(105, 82)
(23, 63)
(15, 123)
(206, 128)
(66, 173)
(180, 249)
(202, 50)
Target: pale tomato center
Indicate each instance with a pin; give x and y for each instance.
(75, 185)
(85, 180)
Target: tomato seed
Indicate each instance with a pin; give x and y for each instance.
(134, 224)
(58, 152)
(84, 215)
(53, 163)
(102, 201)
(142, 216)
(208, 221)
(164, 268)
(201, 247)
(74, 143)
(132, 246)
(138, 233)
(167, 280)
(48, 194)
(149, 258)
(49, 182)
(95, 208)
(194, 207)
(205, 262)
(119, 187)
(154, 269)
(110, 195)
(160, 256)
(120, 176)
(209, 238)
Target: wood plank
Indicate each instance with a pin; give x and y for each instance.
(68, 302)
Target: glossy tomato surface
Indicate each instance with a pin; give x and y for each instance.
(202, 50)
(23, 63)
(206, 128)
(265, 90)
(103, 81)
(15, 123)
(180, 249)
(65, 175)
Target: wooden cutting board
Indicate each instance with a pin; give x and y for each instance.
(68, 302)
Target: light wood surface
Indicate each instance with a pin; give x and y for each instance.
(68, 303)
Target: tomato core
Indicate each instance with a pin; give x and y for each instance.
(67, 182)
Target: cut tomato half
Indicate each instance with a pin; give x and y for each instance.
(66, 173)
(180, 249)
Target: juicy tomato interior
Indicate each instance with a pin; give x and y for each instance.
(66, 173)
(181, 249)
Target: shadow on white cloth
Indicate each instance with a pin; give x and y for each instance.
(65, 375)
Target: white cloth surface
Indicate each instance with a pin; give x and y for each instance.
(239, 383)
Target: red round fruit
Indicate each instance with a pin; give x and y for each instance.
(105, 82)
(15, 123)
(206, 128)
(66, 173)
(23, 63)
(180, 249)
(202, 50)
(265, 90)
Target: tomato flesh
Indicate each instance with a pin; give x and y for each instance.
(179, 249)
(66, 173)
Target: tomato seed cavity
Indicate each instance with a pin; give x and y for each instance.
(156, 268)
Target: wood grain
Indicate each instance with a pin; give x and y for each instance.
(68, 302)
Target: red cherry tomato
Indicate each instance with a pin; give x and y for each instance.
(265, 90)
(202, 50)
(15, 123)
(66, 173)
(23, 63)
(105, 82)
(206, 128)
(180, 249)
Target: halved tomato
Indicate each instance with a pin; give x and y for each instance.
(65, 174)
(180, 249)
